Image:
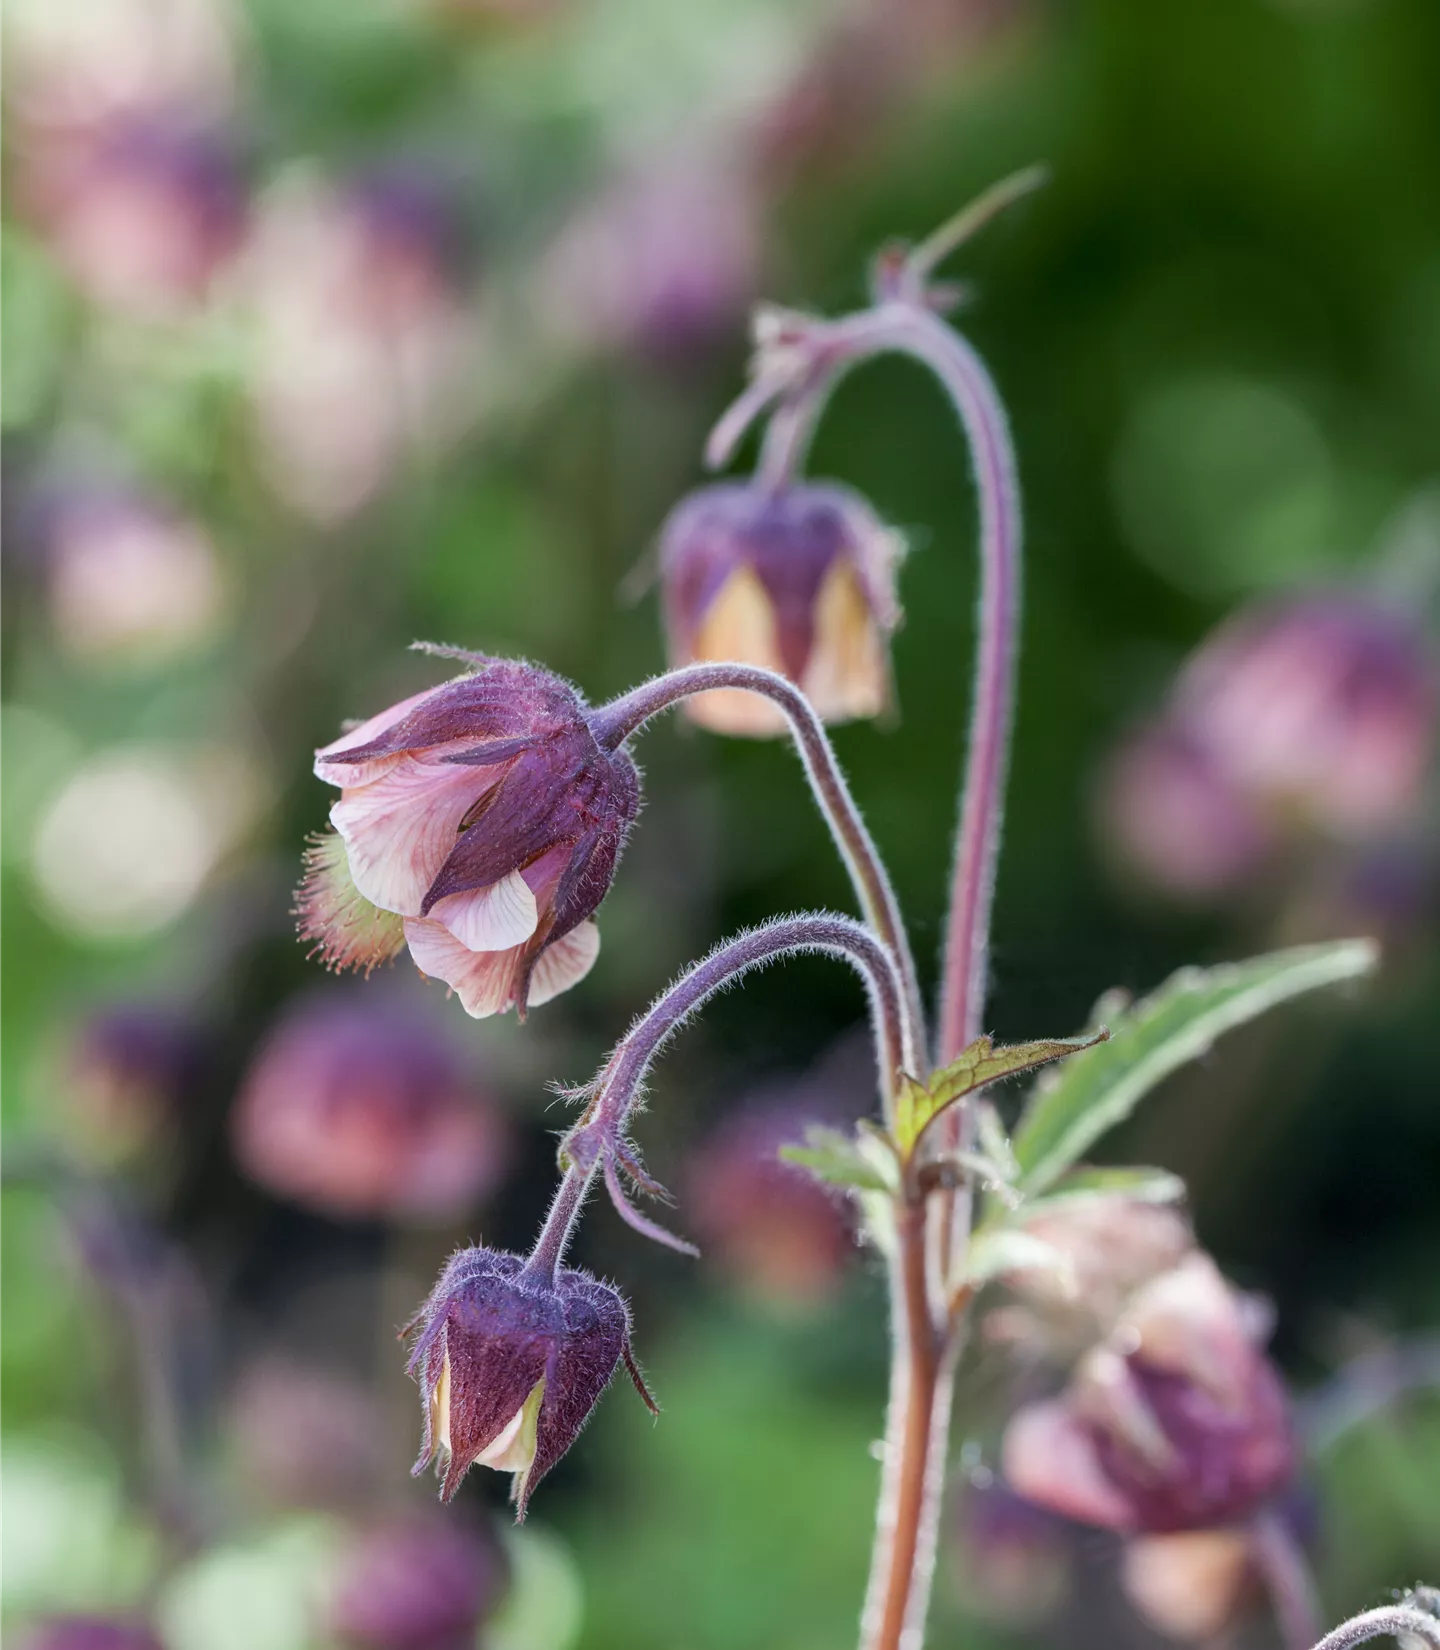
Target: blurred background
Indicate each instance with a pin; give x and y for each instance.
(334, 325)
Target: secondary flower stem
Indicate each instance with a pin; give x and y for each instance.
(559, 1227)
(1375, 1624)
(617, 721)
(1288, 1581)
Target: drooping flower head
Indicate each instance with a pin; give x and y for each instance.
(800, 581)
(417, 1583)
(1176, 1421)
(510, 1367)
(358, 1109)
(485, 814)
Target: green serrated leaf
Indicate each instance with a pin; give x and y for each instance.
(1177, 1024)
(838, 1160)
(919, 1104)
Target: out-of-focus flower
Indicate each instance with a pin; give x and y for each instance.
(1111, 1246)
(128, 1073)
(90, 1633)
(486, 814)
(418, 1583)
(168, 817)
(362, 1111)
(361, 347)
(74, 67)
(1172, 814)
(1189, 1585)
(1177, 1421)
(303, 1436)
(1013, 1556)
(664, 262)
(1326, 705)
(1318, 714)
(801, 581)
(141, 217)
(510, 1367)
(128, 577)
(771, 1226)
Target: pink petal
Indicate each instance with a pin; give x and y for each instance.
(1050, 1459)
(346, 774)
(484, 981)
(492, 918)
(564, 964)
(399, 828)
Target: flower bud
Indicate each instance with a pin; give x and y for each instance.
(1177, 1421)
(356, 1111)
(510, 1367)
(800, 581)
(770, 1225)
(90, 1633)
(485, 814)
(417, 1584)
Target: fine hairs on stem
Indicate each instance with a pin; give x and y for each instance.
(1393, 1621)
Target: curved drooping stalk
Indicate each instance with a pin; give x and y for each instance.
(813, 354)
(615, 722)
(597, 1143)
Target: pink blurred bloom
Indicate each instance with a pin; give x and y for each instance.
(356, 1111)
(90, 1633)
(361, 345)
(485, 813)
(1177, 1421)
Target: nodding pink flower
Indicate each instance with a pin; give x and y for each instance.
(800, 581)
(359, 1112)
(1177, 1421)
(510, 1366)
(770, 1225)
(90, 1633)
(1325, 705)
(484, 814)
(417, 1583)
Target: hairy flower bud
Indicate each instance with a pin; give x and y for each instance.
(360, 1111)
(90, 1633)
(1177, 1421)
(417, 1583)
(800, 581)
(484, 814)
(510, 1367)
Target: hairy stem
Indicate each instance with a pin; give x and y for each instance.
(614, 723)
(1374, 1624)
(559, 1227)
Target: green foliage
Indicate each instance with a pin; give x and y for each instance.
(1179, 1023)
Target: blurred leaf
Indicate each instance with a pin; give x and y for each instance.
(919, 1104)
(1002, 1249)
(1088, 1185)
(840, 1160)
(1176, 1025)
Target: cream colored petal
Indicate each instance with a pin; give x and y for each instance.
(493, 918)
(738, 625)
(514, 1449)
(564, 964)
(484, 981)
(440, 1410)
(1187, 1585)
(848, 673)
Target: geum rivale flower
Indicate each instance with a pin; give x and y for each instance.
(487, 817)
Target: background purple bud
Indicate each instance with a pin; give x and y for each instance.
(419, 1582)
(359, 1108)
(90, 1633)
